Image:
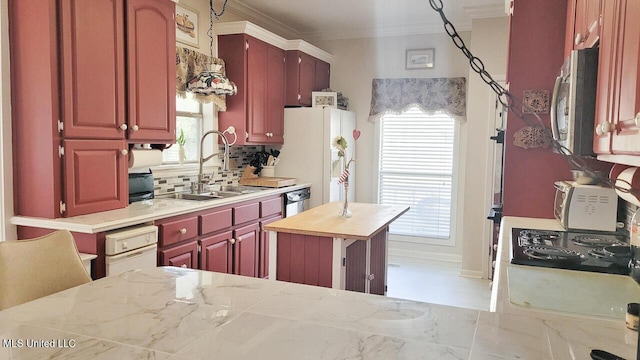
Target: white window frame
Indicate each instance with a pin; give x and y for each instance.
(455, 181)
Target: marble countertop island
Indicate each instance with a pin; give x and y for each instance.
(175, 313)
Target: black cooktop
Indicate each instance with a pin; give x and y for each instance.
(567, 249)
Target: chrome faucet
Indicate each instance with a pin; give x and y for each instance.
(199, 187)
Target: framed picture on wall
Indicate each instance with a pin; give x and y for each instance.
(187, 22)
(420, 59)
(323, 98)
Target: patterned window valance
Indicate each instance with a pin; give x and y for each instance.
(431, 95)
(190, 63)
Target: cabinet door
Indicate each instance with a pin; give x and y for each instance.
(608, 77)
(95, 176)
(216, 253)
(587, 23)
(307, 69)
(323, 75)
(275, 95)
(92, 59)
(185, 256)
(151, 53)
(263, 248)
(246, 250)
(257, 90)
(627, 139)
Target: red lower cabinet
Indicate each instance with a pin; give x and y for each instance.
(185, 255)
(245, 250)
(226, 239)
(216, 252)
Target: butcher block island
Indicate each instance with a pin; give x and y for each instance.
(317, 247)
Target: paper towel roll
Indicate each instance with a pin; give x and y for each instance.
(144, 158)
(631, 179)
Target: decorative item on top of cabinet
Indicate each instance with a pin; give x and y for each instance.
(258, 109)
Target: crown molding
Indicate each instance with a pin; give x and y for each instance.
(405, 30)
(252, 15)
(484, 12)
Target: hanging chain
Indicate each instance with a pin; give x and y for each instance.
(509, 101)
(212, 14)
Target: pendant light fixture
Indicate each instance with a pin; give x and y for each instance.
(211, 81)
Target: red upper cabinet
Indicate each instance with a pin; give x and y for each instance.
(586, 31)
(92, 69)
(151, 52)
(95, 176)
(607, 99)
(618, 99)
(257, 68)
(305, 74)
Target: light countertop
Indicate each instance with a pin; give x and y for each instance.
(323, 220)
(140, 212)
(173, 313)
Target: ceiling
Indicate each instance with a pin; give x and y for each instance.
(345, 19)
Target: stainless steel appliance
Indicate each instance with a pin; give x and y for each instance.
(585, 207)
(131, 248)
(296, 201)
(573, 101)
(585, 251)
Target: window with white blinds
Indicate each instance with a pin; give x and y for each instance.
(416, 167)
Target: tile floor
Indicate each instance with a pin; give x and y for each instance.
(437, 282)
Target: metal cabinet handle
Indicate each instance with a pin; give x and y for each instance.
(183, 231)
(232, 241)
(123, 127)
(135, 128)
(607, 127)
(493, 264)
(183, 266)
(636, 120)
(495, 247)
(370, 277)
(124, 152)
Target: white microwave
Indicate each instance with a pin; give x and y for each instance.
(573, 102)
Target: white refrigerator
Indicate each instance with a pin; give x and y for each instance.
(307, 153)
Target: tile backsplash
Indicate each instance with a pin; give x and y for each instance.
(239, 159)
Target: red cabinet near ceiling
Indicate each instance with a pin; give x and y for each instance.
(618, 97)
(92, 69)
(151, 53)
(305, 74)
(627, 138)
(257, 68)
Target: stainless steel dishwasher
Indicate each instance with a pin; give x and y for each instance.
(296, 201)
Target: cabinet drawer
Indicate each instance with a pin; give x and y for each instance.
(172, 232)
(215, 221)
(270, 207)
(244, 213)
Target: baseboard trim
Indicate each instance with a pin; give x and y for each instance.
(415, 255)
(475, 274)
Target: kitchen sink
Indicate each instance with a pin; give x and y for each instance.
(218, 192)
(210, 195)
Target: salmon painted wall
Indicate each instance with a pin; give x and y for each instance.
(536, 52)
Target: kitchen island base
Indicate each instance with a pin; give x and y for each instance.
(317, 247)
